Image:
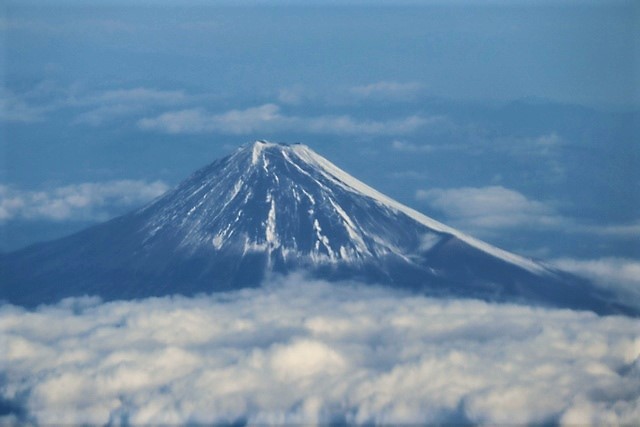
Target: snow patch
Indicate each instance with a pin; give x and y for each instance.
(256, 152)
(252, 246)
(309, 196)
(270, 233)
(322, 239)
(351, 228)
(218, 240)
(428, 241)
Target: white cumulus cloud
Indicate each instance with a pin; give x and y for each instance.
(91, 200)
(490, 207)
(302, 352)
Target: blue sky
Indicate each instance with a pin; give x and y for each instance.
(516, 122)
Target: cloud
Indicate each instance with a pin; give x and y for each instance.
(473, 137)
(389, 90)
(98, 107)
(101, 115)
(628, 230)
(300, 352)
(621, 274)
(409, 174)
(140, 95)
(293, 95)
(111, 104)
(14, 108)
(491, 207)
(270, 118)
(38, 26)
(84, 201)
(545, 144)
(409, 147)
(233, 122)
(548, 140)
(348, 125)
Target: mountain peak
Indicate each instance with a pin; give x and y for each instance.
(272, 207)
(260, 147)
(276, 158)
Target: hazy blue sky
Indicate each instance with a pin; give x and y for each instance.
(515, 121)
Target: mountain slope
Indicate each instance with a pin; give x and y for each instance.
(280, 208)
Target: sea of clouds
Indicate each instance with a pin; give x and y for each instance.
(301, 351)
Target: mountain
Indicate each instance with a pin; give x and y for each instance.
(274, 208)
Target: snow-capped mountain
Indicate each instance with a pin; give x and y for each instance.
(274, 208)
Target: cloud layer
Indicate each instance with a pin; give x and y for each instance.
(620, 274)
(303, 352)
(79, 201)
(489, 207)
(270, 118)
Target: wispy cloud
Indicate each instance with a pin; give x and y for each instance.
(111, 104)
(292, 95)
(473, 137)
(544, 146)
(389, 90)
(30, 25)
(140, 95)
(297, 352)
(541, 144)
(620, 274)
(14, 108)
(199, 121)
(80, 201)
(270, 118)
(409, 174)
(91, 107)
(410, 147)
(379, 92)
(101, 115)
(612, 230)
(548, 140)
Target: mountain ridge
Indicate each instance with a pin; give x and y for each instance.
(280, 208)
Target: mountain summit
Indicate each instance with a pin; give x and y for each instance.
(275, 208)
